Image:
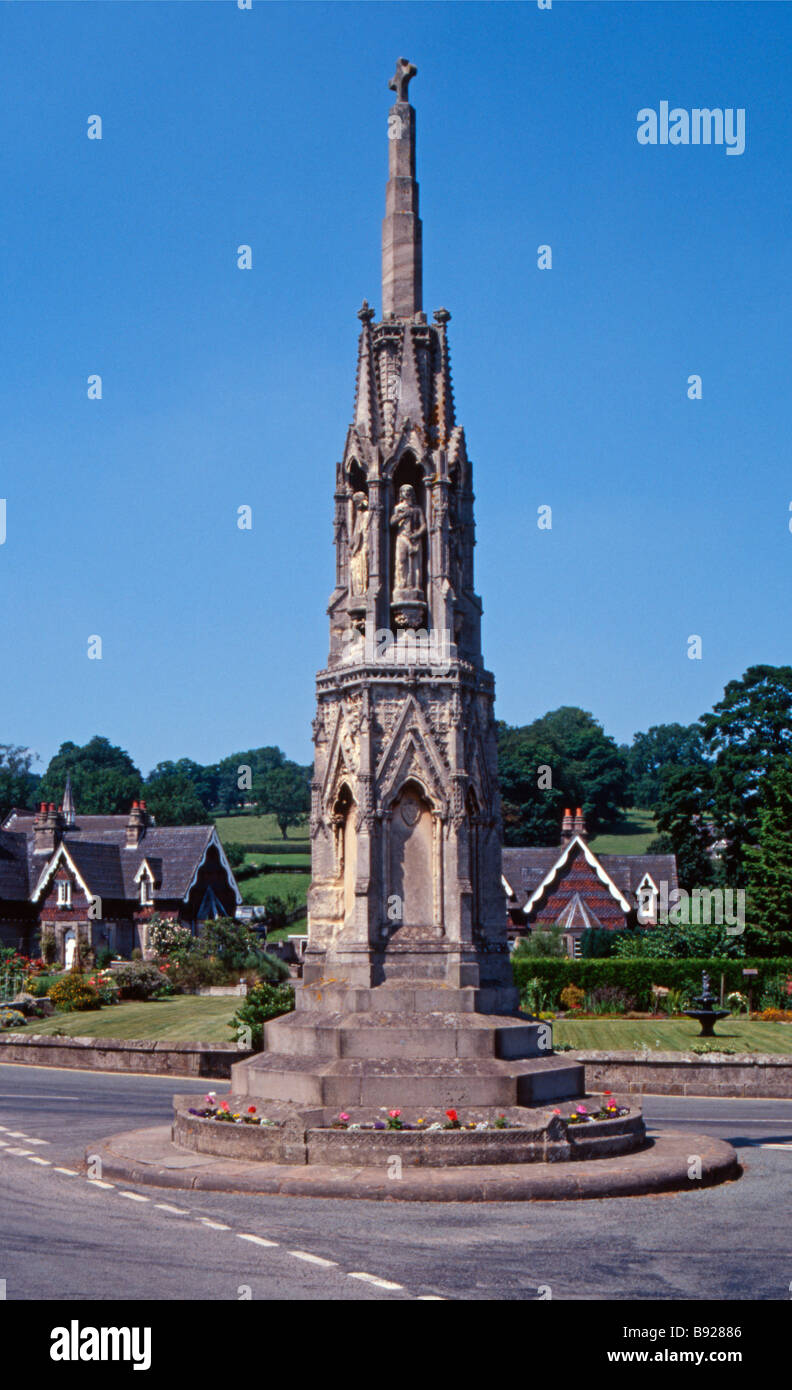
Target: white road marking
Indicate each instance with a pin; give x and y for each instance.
(174, 1211)
(19, 1153)
(3, 1144)
(314, 1259)
(215, 1225)
(45, 1162)
(430, 1298)
(257, 1240)
(70, 1172)
(786, 1147)
(15, 1133)
(372, 1279)
(97, 1182)
(134, 1196)
(38, 1141)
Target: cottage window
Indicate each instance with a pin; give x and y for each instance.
(64, 892)
(146, 894)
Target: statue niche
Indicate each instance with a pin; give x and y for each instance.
(412, 861)
(359, 546)
(408, 524)
(346, 848)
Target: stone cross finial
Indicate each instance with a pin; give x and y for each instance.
(401, 78)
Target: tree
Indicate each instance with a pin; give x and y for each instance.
(749, 731)
(104, 778)
(284, 792)
(17, 783)
(684, 812)
(770, 865)
(586, 768)
(172, 799)
(664, 745)
(203, 780)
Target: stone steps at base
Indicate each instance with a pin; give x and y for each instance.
(405, 1081)
(427, 1036)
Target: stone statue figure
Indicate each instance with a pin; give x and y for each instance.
(408, 519)
(358, 549)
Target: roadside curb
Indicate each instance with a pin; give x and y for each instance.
(149, 1157)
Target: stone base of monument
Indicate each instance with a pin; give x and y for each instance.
(516, 1135)
(404, 1045)
(418, 1050)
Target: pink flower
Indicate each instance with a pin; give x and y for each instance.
(581, 1109)
(224, 1105)
(394, 1114)
(343, 1115)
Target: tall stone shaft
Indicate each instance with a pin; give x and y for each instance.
(405, 821)
(402, 273)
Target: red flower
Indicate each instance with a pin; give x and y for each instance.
(251, 1110)
(224, 1105)
(452, 1115)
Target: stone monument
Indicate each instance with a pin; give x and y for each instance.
(407, 993)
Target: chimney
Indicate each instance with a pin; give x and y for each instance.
(580, 824)
(566, 827)
(136, 825)
(47, 829)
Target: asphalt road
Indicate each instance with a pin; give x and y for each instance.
(66, 1237)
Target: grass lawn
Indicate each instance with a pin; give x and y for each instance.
(630, 836)
(298, 928)
(255, 890)
(671, 1035)
(185, 1018)
(249, 830)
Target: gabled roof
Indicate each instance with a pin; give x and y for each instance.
(95, 849)
(526, 871)
(14, 880)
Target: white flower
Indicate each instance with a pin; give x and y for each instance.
(483, 1124)
(436, 1125)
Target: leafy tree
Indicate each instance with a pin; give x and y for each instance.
(662, 746)
(586, 767)
(204, 780)
(748, 731)
(104, 778)
(18, 785)
(684, 811)
(770, 865)
(285, 793)
(172, 799)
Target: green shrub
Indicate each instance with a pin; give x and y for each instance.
(169, 939)
(11, 1018)
(610, 999)
(637, 976)
(541, 943)
(139, 980)
(39, 985)
(262, 1003)
(777, 992)
(233, 943)
(235, 854)
(103, 957)
(72, 992)
(49, 950)
(136, 953)
(572, 998)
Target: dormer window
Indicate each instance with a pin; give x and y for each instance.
(64, 892)
(146, 891)
(647, 901)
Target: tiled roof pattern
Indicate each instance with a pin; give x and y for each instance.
(97, 847)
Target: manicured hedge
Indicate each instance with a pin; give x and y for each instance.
(638, 976)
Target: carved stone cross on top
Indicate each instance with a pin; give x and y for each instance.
(401, 78)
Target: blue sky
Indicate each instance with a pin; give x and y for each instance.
(223, 387)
